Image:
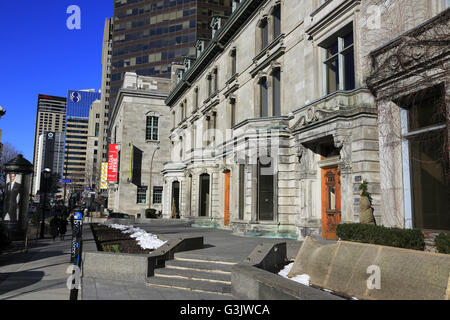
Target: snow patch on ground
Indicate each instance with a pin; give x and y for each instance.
(144, 239)
(303, 279)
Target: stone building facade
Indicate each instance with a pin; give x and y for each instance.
(140, 125)
(414, 117)
(273, 125)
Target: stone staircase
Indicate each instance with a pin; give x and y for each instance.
(194, 274)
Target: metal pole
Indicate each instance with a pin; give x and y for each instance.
(43, 216)
(150, 184)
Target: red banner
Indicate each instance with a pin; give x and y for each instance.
(113, 160)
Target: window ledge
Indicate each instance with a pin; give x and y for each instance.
(232, 78)
(270, 46)
(152, 141)
(323, 5)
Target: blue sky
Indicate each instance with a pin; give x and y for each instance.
(39, 54)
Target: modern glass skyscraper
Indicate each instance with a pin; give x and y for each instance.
(50, 117)
(78, 108)
(151, 34)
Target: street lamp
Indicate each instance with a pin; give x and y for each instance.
(45, 187)
(151, 174)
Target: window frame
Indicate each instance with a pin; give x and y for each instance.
(339, 59)
(152, 127)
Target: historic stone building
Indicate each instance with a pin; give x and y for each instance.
(140, 125)
(273, 125)
(411, 80)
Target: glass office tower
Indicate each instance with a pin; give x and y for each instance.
(151, 34)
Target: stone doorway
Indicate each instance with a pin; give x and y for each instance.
(266, 182)
(204, 195)
(175, 200)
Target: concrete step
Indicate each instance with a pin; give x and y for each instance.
(200, 265)
(192, 274)
(189, 285)
(189, 255)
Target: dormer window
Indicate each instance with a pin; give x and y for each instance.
(216, 24)
(187, 64)
(180, 73)
(234, 5)
(200, 47)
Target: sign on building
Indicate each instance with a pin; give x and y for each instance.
(113, 162)
(104, 176)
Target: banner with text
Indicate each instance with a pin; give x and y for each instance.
(104, 176)
(113, 161)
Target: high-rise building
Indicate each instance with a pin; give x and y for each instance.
(50, 117)
(50, 154)
(78, 108)
(149, 35)
(99, 114)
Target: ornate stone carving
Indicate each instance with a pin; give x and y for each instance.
(344, 144)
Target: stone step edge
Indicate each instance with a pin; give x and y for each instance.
(191, 278)
(197, 269)
(186, 289)
(205, 261)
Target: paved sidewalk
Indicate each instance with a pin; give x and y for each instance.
(39, 274)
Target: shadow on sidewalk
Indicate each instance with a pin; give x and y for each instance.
(17, 280)
(20, 258)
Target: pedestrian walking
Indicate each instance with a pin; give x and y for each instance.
(54, 227)
(62, 227)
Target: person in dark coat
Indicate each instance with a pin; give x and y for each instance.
(54, 227)
(62, 227)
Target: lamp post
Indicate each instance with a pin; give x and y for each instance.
(151, 174)
(45, 187)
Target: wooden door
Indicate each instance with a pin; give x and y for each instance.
(331, 202)
(227, 199)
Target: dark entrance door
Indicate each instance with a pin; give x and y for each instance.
(176, 200)
(204, 195)
(265, 190)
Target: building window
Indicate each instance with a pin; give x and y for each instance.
(215, 80)
(233, 58)
(339, 61)
(276, 21)
(426, 143)
(210, 89)
(157, 195)
(141, 195)
(152, 128)
(264, 98)
(264, 29)
(196, 99)
(97, 129)
(276, 92)
(232, 112)
(241, 191)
